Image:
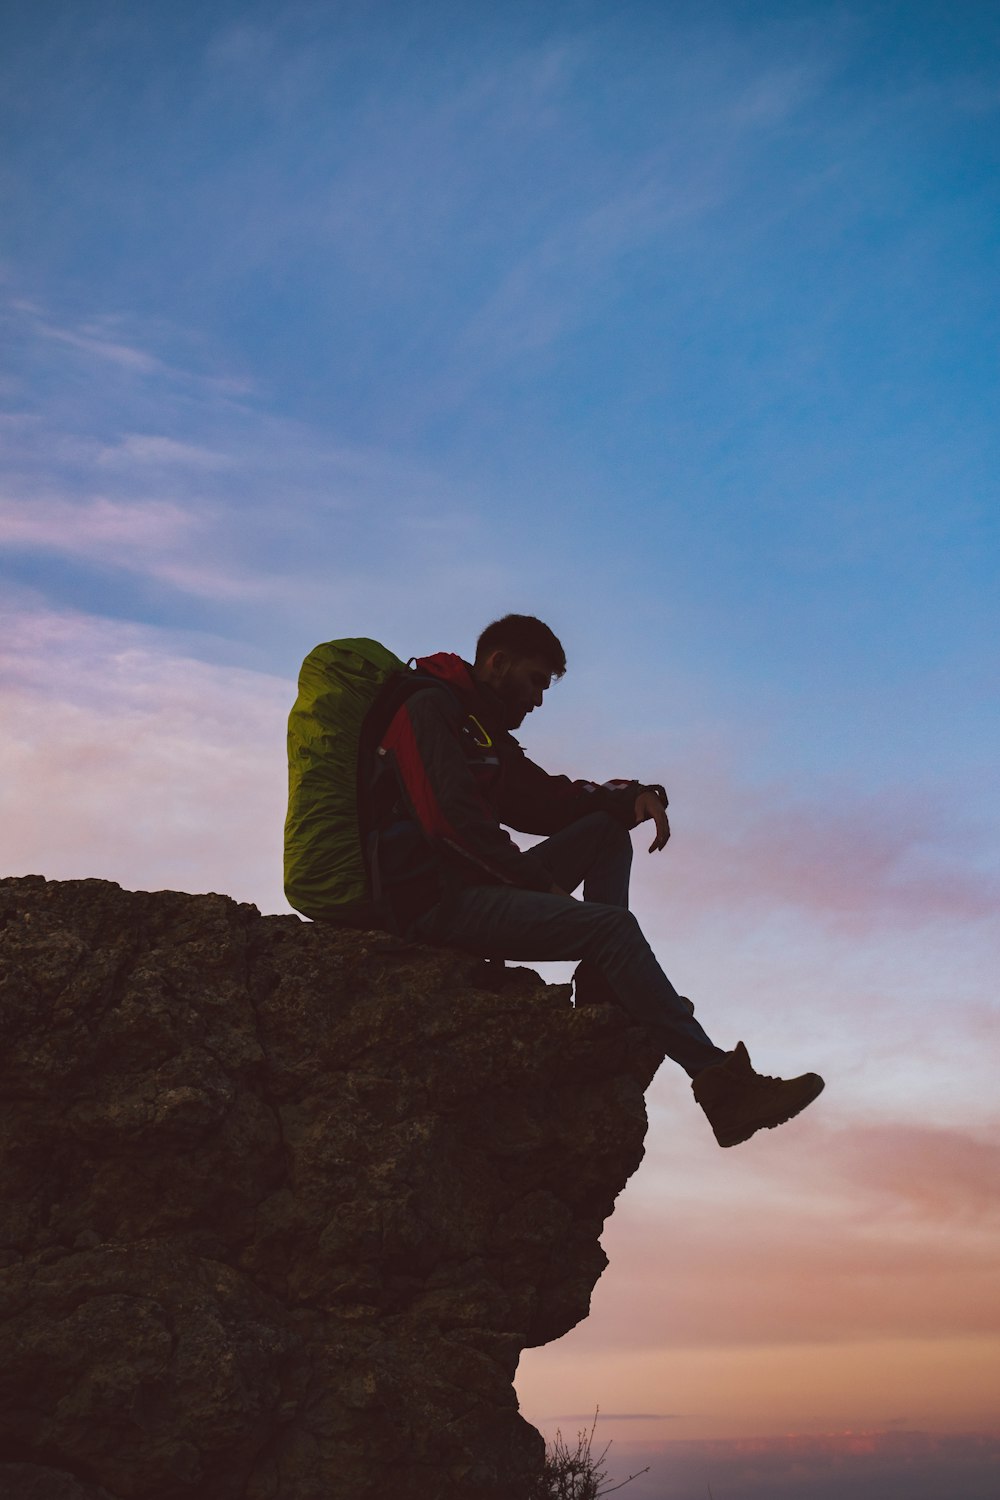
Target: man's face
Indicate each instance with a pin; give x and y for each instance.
(520, 682)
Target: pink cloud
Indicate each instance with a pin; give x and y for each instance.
(852, 859)
(858, 865)
(101, 528)
(936, 1175)
(789, 1283)
(152, 537)
(122, 760)
(808, 1235)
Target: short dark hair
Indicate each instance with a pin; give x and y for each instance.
(522, 636)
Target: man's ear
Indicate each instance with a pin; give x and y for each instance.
(496, 664)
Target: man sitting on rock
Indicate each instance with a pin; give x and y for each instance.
(451, 874)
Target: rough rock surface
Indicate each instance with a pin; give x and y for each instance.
(280, 1205)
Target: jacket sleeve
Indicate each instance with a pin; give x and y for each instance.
(533, 801)
(423, 739)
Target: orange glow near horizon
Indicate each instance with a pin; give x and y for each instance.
(938, 1385)
(838, 1276)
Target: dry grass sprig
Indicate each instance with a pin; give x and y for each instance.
(577, 1473)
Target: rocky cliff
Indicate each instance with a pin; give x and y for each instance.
(281, 1205)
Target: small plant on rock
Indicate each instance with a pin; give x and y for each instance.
(577, 1473)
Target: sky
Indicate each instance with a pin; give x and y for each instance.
(678, 326)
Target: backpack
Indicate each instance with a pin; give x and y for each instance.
(348, 692)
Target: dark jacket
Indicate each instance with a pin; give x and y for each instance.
(450, 774)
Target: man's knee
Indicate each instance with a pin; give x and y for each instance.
(612, 835)
(611, 927)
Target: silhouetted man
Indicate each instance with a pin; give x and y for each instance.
(452, 875)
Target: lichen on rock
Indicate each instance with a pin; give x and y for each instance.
(282, 1204)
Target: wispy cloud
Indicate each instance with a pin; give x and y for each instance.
(230, 505)
(123, 344)
(90, 342)
(856, 861)
(103, 528)
(156, 539)
(552, 287)
(161, 452)
(946, 1179)
(615, 1416)
(860, 1232)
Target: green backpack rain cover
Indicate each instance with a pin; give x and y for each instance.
(325, 873)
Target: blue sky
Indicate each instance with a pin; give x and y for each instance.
(674, 324)
(697, 304)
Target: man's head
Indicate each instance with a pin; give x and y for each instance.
(518, 657)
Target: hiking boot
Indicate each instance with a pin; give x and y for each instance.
(739, 1101)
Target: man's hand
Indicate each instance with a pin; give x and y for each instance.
(648, 805)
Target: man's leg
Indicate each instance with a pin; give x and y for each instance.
(596, 850)
(502, 921)
(499, 921)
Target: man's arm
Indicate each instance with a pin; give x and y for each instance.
(536, 802)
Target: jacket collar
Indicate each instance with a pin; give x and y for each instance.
(449, 668)
(477, 697)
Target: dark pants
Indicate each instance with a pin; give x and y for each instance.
(506, 922)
